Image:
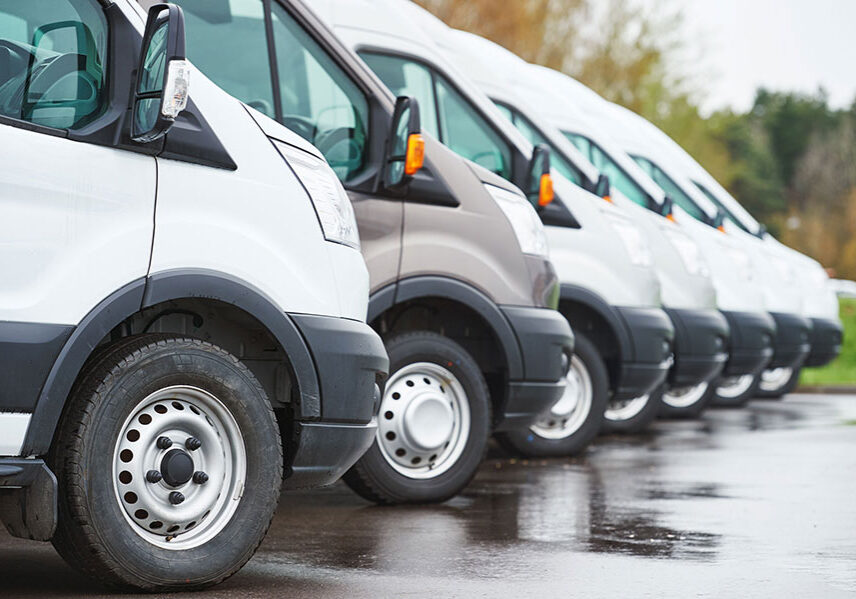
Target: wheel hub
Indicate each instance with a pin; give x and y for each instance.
(179, 467)
(625, 409)
(774, 379)
(684, 397)
(424, 420)
(734, 386)
(176, 468)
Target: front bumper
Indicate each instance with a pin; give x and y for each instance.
(350, 361)
(826, 338)
(701, 342)
(792, 343)
(646, 362)
(546, 345)
(750, 346)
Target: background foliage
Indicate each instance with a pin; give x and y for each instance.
(790, 160)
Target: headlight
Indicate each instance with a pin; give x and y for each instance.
(630, 235)
(329, 198)
(688, 250)
(523, 218)
(783, 267)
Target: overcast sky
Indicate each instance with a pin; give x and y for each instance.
(779, 44)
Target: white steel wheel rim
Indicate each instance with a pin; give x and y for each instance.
(685, 397)
(624, 409)
(571, 411)
(775, 378)
(179, 413)
(424, 421)
(734, 386)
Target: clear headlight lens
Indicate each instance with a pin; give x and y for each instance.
(523, 218)
(634, 241)
(329, 198)
(689, 252)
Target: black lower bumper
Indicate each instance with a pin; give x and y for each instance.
(350, 361)
(793, 340)
(546, 345)
(646, 362)
(701, 346)
(826, 338)
(750, 345)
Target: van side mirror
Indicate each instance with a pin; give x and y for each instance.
(668, 208)
(603, 187)
(539, 183)
(161, 87)
(405, 146)
(719, 220)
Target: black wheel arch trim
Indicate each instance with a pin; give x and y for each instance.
(605, 310)
(425, 286)
(157, 288)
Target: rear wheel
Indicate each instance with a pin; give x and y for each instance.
(169, 466)
(686, 402)
(578, 416)
(433, 424)
(777, 382)
(735, 391)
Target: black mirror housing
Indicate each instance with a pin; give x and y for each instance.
(160, 88)
(603, 187)
(539, 168)
(405, 147)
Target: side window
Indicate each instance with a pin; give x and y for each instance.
(319, 101)
(464, 131)
(52, 62)
(617, 176)
(227, 40)
(406, 78)
(728, 214)
(582, 143)
(456, 123)
(535, 137)
(670, 187)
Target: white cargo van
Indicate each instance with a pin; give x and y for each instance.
(624, 340)
(182, 303)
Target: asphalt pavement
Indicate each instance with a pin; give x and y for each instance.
(759, 501)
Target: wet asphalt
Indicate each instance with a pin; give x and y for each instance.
(759, 501)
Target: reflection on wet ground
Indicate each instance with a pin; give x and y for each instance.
(758, 501)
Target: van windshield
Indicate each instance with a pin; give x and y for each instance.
(606, 165)
(728, 214)
(297, 83)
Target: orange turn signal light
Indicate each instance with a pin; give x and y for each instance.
(721, 229)
(608, 199)
(671, 217)
(545, 190)
(415, 154)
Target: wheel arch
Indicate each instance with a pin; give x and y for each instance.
(147, 292)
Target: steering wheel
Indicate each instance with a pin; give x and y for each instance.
(301, 125)
(340, 142)
(12, 77)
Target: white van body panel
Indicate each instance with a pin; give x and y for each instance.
(252, 223)
(76, 225)
(13, 430)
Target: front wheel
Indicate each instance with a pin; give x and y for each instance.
(169, 465)
(577, 417)
(735, 391)
(686, 402)
(433, 424)
(778, 382)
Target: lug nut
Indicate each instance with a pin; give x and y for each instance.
(153, 476)
(200, 478)
(175, 498)
(164, 442)
(193, 443)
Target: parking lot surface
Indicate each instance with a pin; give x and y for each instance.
(754, 502)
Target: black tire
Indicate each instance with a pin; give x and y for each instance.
(93, 534)
(737, 401)
(779, 393)
(529, 443)
(639, 422)
(688, 412)
(374, 479)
